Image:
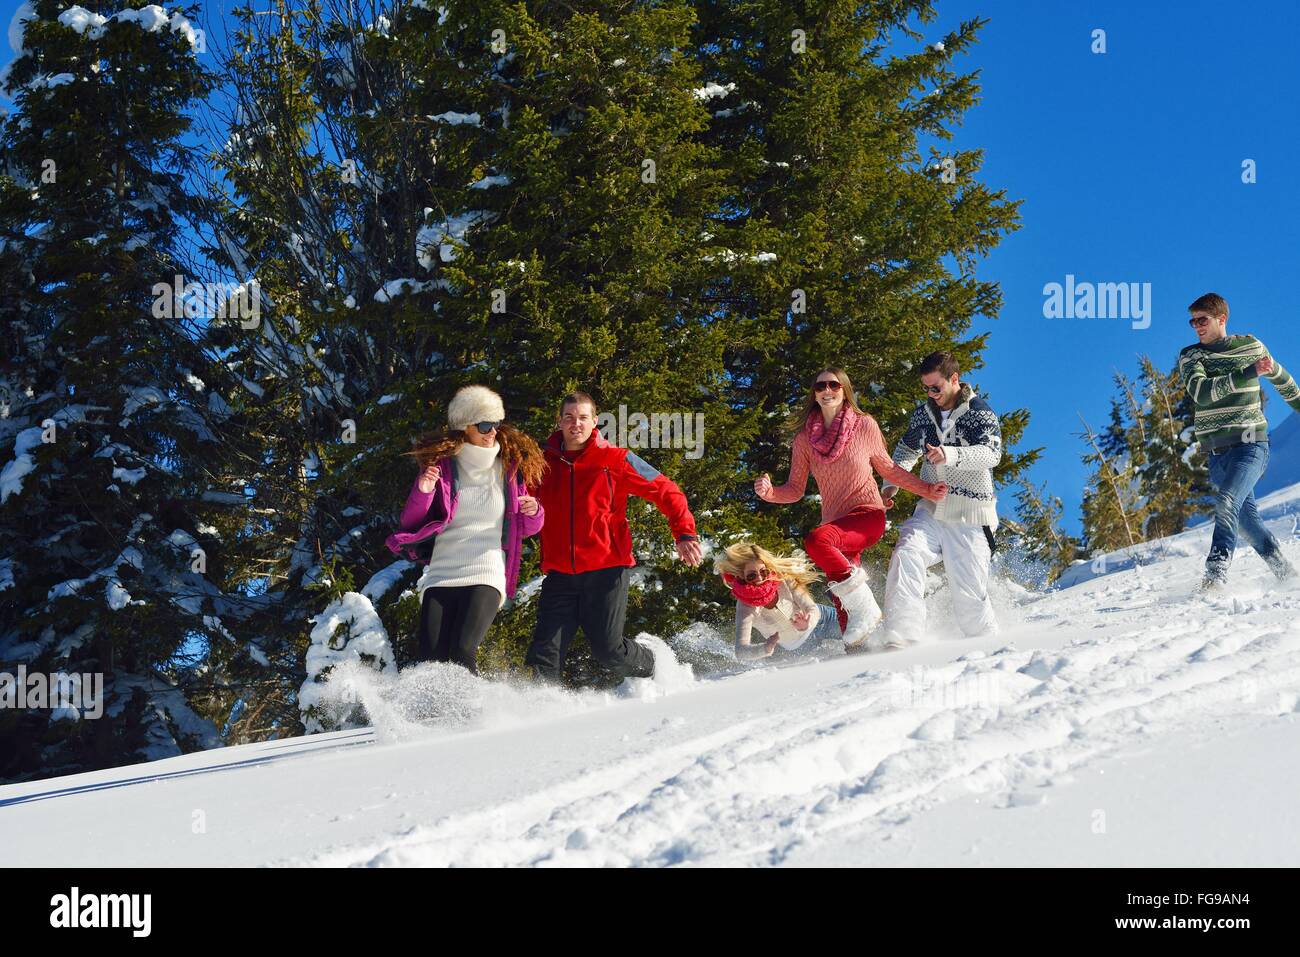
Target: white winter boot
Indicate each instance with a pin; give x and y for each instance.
(859, 604)
(886, 639)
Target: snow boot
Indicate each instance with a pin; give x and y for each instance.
(1216, 578)
(860, 605)
(887, 640)
(1280, 567)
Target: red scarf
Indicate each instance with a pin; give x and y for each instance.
(760, 595)
(828, 444)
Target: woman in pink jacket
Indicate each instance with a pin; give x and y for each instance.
(466, 518)
(841, 445)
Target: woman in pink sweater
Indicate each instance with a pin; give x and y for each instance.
(841, 445)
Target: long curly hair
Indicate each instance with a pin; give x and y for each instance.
(795, 569)
(518, 451)
(810, 405)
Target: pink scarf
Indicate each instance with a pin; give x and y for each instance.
(760, 595)
(828, 444)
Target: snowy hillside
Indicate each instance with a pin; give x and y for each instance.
(1123, 720)
(1284, 456)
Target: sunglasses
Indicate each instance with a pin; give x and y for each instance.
(486, 427)
(829, 384)
(1197, 321)
(756, 576)
(934, 389)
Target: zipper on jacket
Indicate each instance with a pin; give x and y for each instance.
(573, 548)
(609, 481)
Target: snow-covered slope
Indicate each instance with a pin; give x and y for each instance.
(1123, 720)
(1283, 456)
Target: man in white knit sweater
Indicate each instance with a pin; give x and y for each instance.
(959, 440)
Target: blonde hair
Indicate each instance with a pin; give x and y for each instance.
(795, 569)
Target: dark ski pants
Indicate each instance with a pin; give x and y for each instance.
(454, 621)
(596, 601)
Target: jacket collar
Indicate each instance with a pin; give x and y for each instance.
(555, 442)
(963, 403)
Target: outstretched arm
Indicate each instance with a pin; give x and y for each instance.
(908, 451)
(896, 475)
(647, 482)
(745, 615)
(793, 490)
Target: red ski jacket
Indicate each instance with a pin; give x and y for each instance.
(586, 505)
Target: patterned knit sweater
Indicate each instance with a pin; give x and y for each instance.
(1224, 388)
(848, 482)
(972, 446)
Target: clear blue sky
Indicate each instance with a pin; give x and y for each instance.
(1129, 165)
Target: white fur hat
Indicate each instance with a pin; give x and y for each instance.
(474, 403)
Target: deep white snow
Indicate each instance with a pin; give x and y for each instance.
(1123, 720)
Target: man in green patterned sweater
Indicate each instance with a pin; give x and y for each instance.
(1221, 373)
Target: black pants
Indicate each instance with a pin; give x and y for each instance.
(596, 601)
(454, 621)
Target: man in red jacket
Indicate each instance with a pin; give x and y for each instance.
(587, 545)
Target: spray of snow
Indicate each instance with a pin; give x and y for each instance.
(435, 698)
(670, 675)
(329, 695)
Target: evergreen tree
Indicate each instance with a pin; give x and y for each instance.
(1039, 536)
(843, 215)
(1148, 480)
(1174, 477)
(1110, 496)
(113, 409)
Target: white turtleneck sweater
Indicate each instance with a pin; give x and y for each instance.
(468, 549)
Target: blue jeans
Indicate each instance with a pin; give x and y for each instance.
(1234, 472)
(828, 626)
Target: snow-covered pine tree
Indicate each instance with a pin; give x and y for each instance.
(112, 409)
(843, 214)
(478, 192)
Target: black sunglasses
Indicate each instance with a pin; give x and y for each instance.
(486, 427)
(823, 386)
(758, 575)
(933, 389)
(1197, 321)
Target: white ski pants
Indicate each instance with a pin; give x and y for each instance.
(923, 541)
